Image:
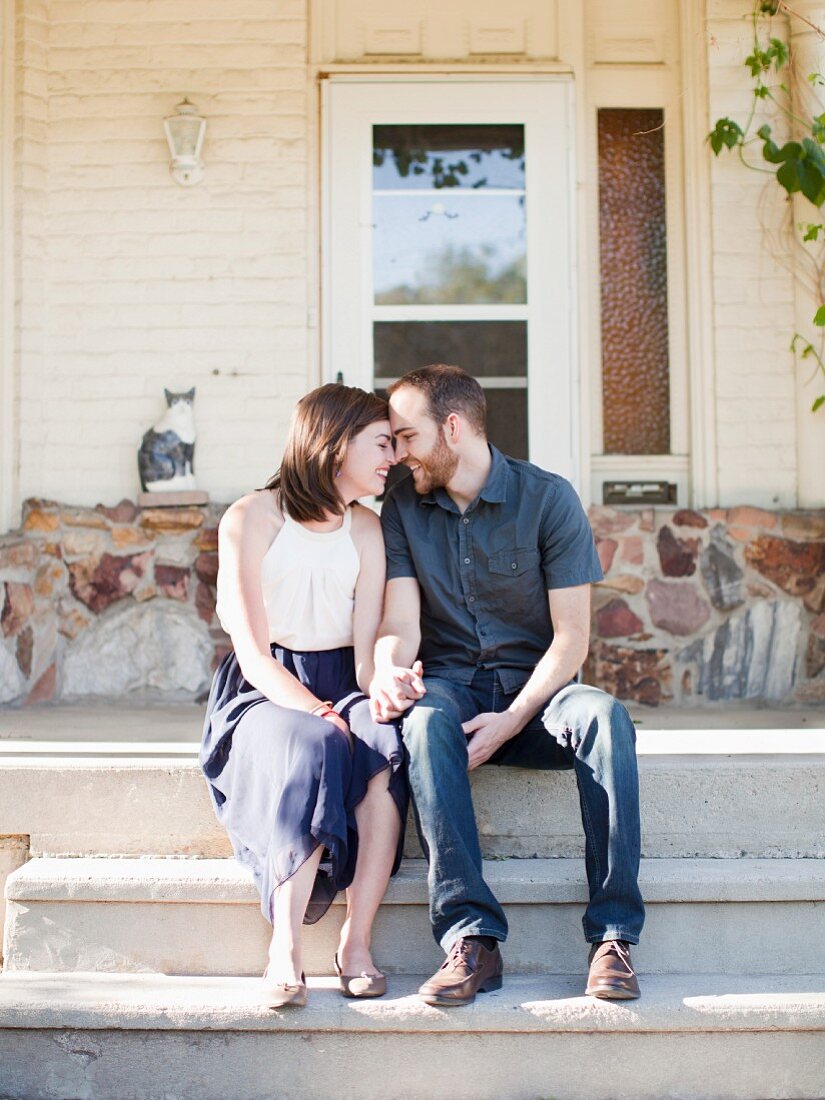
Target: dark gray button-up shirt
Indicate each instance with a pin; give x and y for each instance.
(484, 575)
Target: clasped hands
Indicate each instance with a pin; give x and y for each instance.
(394, 690)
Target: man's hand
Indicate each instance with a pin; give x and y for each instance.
(394, 689)
(487, 733)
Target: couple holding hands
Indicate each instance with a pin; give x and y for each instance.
(377, 657)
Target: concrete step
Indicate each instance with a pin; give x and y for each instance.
(139, 1037)
(203, 917)
(706, 804)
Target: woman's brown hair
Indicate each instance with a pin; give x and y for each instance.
(323, 423)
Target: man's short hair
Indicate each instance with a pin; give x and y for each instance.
(449, 390)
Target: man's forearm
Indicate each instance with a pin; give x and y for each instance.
(557, 667)
(395, 647)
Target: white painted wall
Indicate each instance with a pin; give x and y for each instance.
(131, 283)
(753, 295)
(127, 283)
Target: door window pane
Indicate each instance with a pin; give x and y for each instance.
(450, 229)
(430, 251)
(484, 349)
(633, 250)
(467, 157)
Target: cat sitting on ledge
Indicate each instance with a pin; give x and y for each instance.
(166, 455)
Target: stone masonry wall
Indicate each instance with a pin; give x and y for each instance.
(695, 606)
(709, 606)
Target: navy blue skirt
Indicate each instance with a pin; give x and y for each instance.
(284, 782)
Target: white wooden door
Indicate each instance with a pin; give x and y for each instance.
(448, 237)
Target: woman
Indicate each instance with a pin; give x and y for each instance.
(310, 789)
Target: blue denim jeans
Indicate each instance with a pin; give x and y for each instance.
(582, 728)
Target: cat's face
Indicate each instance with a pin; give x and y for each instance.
(178, 398)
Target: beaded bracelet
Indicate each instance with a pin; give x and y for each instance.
(321, 710)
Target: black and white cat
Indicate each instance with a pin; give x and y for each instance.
(166, 455)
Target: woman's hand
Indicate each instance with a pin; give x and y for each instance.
(330, 715)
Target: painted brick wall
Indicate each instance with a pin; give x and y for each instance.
(753, 294)
(131, 283)
(31, 193)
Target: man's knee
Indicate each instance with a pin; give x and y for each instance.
(432, 728)
(587, 713)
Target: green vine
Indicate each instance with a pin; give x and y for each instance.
(798, 166)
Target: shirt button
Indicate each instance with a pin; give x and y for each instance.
(472, 599)
(465, 520)
(513, 565)
(466, 561)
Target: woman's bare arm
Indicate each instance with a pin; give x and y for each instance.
(245, 534)
(369, 591)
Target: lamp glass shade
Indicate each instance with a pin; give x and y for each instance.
(185, 132)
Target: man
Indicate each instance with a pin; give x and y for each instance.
(489, 566)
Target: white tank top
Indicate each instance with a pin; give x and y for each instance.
(308, 582)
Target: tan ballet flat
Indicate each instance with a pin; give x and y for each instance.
(360, 985)
(282, 994)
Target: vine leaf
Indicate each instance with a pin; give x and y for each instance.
(820, 401)
(725, 135)
(819, 317)
(802, 165)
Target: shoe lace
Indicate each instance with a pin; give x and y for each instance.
(460, 950)
(622, 950)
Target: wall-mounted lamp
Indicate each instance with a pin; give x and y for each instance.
(185, 131)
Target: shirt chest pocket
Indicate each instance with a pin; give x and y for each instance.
(513, 563)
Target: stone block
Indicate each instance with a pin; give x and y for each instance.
(12, 682)
(795, 567)
(722, 574)
(676, 556)
(616, 620)
(751, 517)
(100, 582)
(639, 674)
(609, 521)
(623, 582)
(125, 512)
(606, 548)
(172, 581)
(18, 606)
(45, 688)
(686, 517)
(14, 851)
(676, 607)
(206, 567)
(18, 554)
(41, 522)
(205, 601)
(752, 655)
(804, 525)
(172, 521)
(140, 647)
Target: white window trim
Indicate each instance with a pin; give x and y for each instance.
(630, 86)
(685, 101)
(9, 488)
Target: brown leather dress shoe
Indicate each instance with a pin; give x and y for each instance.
(611, 976)
(468, 969)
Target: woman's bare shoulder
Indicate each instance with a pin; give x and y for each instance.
(259, 509)
(366, 527)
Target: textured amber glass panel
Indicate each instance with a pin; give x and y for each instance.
(633, 247)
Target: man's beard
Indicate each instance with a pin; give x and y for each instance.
(436, 470)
